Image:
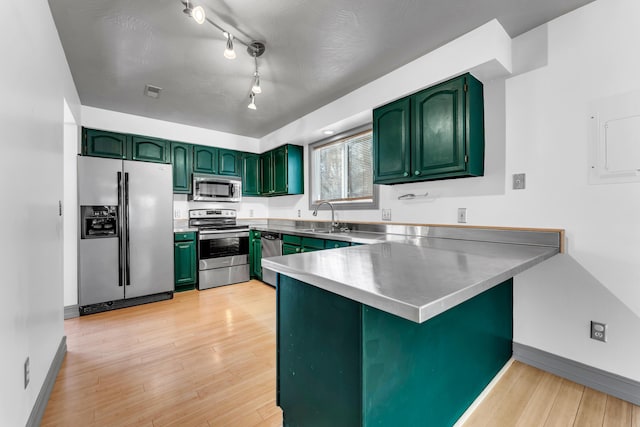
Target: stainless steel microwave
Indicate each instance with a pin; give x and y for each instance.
(216, 188)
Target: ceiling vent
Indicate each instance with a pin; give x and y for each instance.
(152, 91)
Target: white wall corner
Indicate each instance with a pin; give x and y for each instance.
(485, 52)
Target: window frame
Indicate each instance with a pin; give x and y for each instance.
(373, 204)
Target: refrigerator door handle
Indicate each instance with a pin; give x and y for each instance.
(126, 210)
(120, 230)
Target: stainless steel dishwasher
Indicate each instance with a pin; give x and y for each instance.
(271, 246)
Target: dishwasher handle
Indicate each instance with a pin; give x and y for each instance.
(270, 236)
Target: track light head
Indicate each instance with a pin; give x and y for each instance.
(229, 53)
(252, 104)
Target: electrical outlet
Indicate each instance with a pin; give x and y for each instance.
(462, 215)
(518, 181)
(386, 214)
(26, 373)
(598, 331)
(298, 213)
(251, 213)
(176, 213)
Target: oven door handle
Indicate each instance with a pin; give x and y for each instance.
(221, 234)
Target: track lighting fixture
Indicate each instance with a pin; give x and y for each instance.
(229, 53)
(197, 13)
(254, 48)
(256, 78)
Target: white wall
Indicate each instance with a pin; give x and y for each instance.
(34, 80)
(128, 123)
(71, 136)
(536, 123)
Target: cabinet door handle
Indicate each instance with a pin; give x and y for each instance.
(416, 173)
(405, 174)
(297, 249)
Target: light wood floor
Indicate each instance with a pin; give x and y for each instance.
(208, 359)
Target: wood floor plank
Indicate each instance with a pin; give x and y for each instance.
(565, 406)
(617, 413)
(635, 417)
(591, 410)
(541, 401)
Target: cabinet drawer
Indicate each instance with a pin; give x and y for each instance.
(288, 249)
(332, 244)
(184, 236)
(294, 240)
(312, 243)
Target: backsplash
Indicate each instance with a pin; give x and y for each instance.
(249, 207)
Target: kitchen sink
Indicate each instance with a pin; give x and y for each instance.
(324, 230)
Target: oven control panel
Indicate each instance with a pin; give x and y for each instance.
(212, 213)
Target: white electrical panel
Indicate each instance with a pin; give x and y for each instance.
(614, 139)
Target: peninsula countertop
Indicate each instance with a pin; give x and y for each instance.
(414, 278)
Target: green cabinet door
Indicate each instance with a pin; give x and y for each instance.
(181, 158)
(250, 174)
(144, 148)
(289, 249)
(184, 254)
(438, 116)
(255, 254)
(101, 143)
(392, 141)
(228, 162)
(280, 170)
(266, 174)
(436, 133)
(205, 159)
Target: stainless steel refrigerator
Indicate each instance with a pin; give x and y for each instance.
(126, 233)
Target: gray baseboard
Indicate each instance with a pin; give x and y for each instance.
(606, 382)
(37, 412)
(71, 311)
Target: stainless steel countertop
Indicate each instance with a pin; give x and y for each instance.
(415, 278)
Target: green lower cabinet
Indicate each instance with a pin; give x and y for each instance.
(334, 244)
(343, 363)
(185, 261)
(255, 254)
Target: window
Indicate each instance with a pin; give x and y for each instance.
(341, 171)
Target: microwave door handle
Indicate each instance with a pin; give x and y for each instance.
(120, 229)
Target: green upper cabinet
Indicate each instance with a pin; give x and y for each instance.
(181, 158)
(392, 140)
(266, 174)
(150, 149)
(437, 133)
(250, 174)
(281, 171)
(101, 143)
(205, 159)
(229, 162)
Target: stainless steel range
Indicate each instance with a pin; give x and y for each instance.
(223, 247)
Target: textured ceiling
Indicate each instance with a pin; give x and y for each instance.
(317, 51)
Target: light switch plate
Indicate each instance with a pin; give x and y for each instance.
(518, 181)
(462, 215)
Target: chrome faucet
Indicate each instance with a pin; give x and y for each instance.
(334, 224)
